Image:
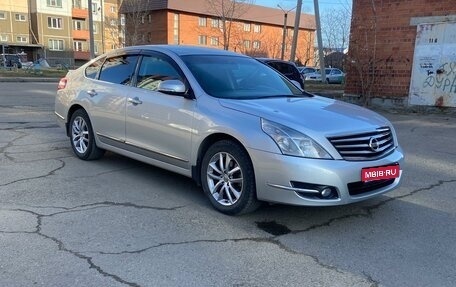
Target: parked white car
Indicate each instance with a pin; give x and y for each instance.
(333, 76)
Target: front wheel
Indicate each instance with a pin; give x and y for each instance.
(228, 178)
(82, 137)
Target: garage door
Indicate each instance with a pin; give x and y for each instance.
(434, 66)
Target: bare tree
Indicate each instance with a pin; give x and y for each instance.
(227, 12)
(336, 28)
(362, 56)
(136, 13)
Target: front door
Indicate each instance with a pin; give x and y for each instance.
(159, 125)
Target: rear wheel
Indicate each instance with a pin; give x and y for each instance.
(228, 178)
(82, 137)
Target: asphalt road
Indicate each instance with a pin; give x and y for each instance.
(119, 222)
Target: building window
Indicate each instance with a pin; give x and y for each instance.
(143, 19)
(22, 39)
(2, 15)
(77, 45)
(78, 25)
(113, 9)
(54, 3)
(215, 23)
(3, 38)
(176, 29)
(256, 44)
(214, 41)
(202, 40)
(20, 17)
(55, 45)
(247, 27)
(77, 4)
(149, 37)
(202, 21)
(94, 8)
(150, 18)
(257, 28)
(95, 48)
(95, 28)
(54, 23)
(247, 44)
(113, 22)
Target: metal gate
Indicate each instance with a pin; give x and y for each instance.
(433, 80)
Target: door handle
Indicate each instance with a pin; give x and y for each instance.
(92, 93)
(135, 101)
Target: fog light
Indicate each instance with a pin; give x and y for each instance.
(326, 192)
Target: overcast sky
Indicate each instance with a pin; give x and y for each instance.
(307, 5)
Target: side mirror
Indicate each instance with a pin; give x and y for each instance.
(173, 87)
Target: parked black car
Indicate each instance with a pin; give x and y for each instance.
(287, 68)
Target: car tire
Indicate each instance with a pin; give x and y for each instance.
(228, 179)
(82, 138)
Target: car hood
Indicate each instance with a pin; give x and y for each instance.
(311, 114)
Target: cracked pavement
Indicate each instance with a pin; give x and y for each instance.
(119, 222)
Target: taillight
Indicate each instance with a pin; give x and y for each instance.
(62, 83)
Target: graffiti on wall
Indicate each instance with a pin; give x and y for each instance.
(444, 78)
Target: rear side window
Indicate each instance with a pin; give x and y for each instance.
(92, 70)
(119, 70)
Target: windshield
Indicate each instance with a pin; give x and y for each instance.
(233, 77)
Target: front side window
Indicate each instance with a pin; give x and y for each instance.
(119, 70)
(56, 45)
(153, 70)
(54, 3)
(54, 23)
(236, 77)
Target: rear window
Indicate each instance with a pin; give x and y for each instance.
(92, 70)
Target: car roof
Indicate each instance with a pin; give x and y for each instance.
(183, 50)
(267, 60)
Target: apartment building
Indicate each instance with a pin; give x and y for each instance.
(254, 30)
(58, 30)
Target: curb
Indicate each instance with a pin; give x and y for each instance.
(29, 79)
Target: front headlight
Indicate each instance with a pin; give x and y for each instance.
(292, 142)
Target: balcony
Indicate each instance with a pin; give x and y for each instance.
(81, 34)
(80, 13)
(80, 55)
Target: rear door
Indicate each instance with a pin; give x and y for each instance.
(108, 96)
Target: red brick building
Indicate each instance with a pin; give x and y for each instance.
(403, 51)
(255, 30)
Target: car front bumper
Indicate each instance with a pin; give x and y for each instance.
(275, 173)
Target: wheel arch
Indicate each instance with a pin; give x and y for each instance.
(71, 111)
(205, 144)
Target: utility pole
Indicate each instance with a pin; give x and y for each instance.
(92, 40)
(284, 34)
(294, 44)
(321, 56)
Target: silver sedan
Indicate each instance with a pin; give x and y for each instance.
(240, 129)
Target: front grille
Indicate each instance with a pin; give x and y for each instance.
(356, 188)
(364, 146)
